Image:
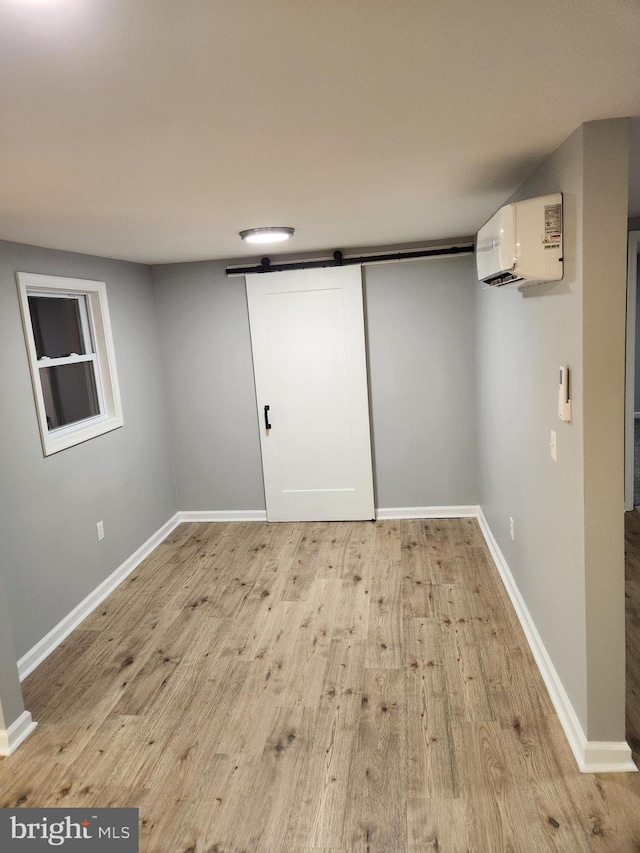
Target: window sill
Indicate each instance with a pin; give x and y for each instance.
(65, 437)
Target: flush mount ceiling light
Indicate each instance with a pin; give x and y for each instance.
(273, 234)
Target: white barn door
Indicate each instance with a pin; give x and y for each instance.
(307, 336)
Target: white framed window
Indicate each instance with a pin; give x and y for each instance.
(71, 356)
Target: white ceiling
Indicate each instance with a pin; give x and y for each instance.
(155, 130)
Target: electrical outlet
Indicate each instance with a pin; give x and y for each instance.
(100, 529)
(553, 445)
(512, 531)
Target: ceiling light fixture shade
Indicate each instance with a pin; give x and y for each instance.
(273, 234)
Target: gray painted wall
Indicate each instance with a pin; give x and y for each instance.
(605, 205)
(49, 506)
(11, 704)
(637, 370)
(420, 337)
(522, 339)
(206, 350)
(420, 330)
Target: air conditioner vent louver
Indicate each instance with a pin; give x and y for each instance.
(502, 279)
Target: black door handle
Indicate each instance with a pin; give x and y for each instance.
(267, 425)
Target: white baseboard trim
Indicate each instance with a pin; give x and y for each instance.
(52, 640)
(594, 756)
(382, 513)
(224, 515)
(388, 513)
(19, 730)
(608, 757)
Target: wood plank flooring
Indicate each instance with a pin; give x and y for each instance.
(326, 687)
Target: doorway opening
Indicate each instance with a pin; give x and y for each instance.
(632, 501)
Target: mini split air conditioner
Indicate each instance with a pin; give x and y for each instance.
(522, 243)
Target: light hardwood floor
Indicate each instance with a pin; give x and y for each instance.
(315, 687)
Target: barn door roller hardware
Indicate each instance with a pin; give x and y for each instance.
(339, 260)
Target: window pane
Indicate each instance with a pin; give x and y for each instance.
(70, 393)
(57, 327)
